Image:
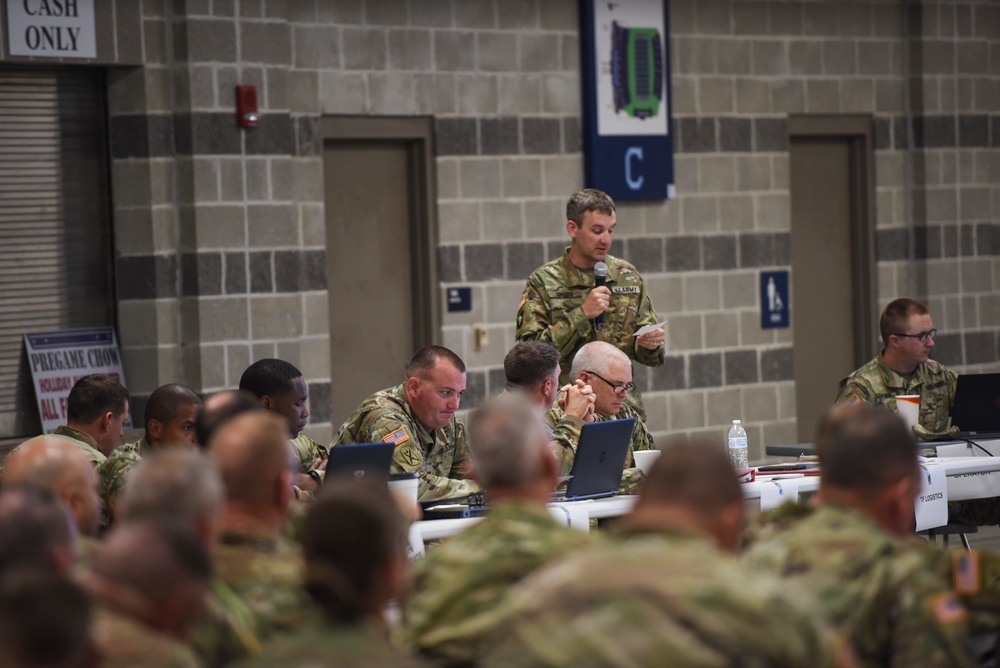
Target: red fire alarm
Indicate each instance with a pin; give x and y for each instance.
(246, 106)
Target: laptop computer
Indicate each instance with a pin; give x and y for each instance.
(600, 460)
(976, 411)
(361, 460)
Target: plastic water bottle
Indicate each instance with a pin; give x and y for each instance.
(738, 447)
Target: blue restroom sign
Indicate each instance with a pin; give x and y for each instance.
(774, 303)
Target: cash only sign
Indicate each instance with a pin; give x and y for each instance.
(59, 359)
(51, 28)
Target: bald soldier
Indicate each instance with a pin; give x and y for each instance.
(254, 559)
(57, 464)
(148, 581)
(663, 590)
(169, 421)
(418, 417)
(96, 413)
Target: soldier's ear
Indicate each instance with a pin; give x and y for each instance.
(412, 385)
(572, 228)
(267, 403)
(155, 428)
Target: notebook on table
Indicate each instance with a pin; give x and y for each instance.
(976, 410)
(600, 460)
(361, 460)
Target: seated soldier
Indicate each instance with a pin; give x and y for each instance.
(418, 417)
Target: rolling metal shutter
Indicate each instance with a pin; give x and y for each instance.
(55, 225)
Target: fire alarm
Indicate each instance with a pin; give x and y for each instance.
(246, 106)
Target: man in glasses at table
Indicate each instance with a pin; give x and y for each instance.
(904, 367)
(608, 371)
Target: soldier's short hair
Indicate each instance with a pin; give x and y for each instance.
(427, 358)
(218, 408)
(94, 395)
(349, 533)
(44, 619)
(896, 314)
(32, 524)
(529, 363)
(165, 401)
(596, 356)
(865, 448)
(505, 437)
(588, 199)
(694, 474)
(269, 378)
(251, 450)
(172, 485)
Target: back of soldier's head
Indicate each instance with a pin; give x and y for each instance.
(530, 363)
(219, 408)
(251, 452)
(269, 378)
(44, 620)
(35, 529)
(94, 395)
(350, 533)
(506, 440)
(867, 449)
(174, 484)
(691, 474)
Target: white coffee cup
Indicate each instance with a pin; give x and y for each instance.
(908, 408)
(405, 484)
(644, 459)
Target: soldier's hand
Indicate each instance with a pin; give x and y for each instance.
(596, 302)
(578, 400)
(652, 340)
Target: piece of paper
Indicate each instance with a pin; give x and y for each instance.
(932, 503)
(774, 493)
(649, 328)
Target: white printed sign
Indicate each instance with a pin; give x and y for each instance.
(51, 28)
(774, 493)
(932, 504)
(59, 359)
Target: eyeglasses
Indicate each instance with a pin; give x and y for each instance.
(617, 389)
(922, 336)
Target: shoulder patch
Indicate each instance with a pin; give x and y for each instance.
(524, 298)
(966, 572)
(853, 399)
(397, 437)
(947, 609)
(625, 289)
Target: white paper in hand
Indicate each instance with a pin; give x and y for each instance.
(649, 328)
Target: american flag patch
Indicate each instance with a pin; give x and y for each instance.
(853, 399)
(397, 437)
(965, 572)
(948, 609)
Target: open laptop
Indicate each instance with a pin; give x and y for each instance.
(362, 460)
(600, 460)
(976, 410)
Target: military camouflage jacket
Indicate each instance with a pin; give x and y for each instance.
(887, 595)
(307, 451)
(264, 570)
(113, 470)
(460, 583)
(436, 456)
(650, 599)
(225, 631)
(566, 436)
(875, 383)
(84, 441)
(125, 643)
(551, 310)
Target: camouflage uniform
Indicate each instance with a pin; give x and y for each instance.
(307, 451)
(125, 643)
(566, 436)
(873, 585)
(460, 583)
(113, 470)
(264, 570)
(436, 456)
(83, 441)
(320, 643)
(875, 383)
(654, 599)
(551, 311)
(225, 631)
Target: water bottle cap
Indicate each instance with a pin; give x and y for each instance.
(736, 422)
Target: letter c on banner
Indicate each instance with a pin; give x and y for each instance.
(633, 152)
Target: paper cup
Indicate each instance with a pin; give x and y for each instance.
(405, 484)
(908, 408)
(644, 459)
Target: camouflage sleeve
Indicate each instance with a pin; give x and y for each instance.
(647, 316)
(856, 387)
(112, 479)
(307, 451)
(565, 436)
(534, 321)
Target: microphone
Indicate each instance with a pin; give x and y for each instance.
(600, 279)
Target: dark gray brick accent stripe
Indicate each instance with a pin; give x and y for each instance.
(938, 241)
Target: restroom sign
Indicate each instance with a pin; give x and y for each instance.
(774, 299)
(51, 28)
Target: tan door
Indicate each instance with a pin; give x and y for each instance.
(375, 247)
(831, 268)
